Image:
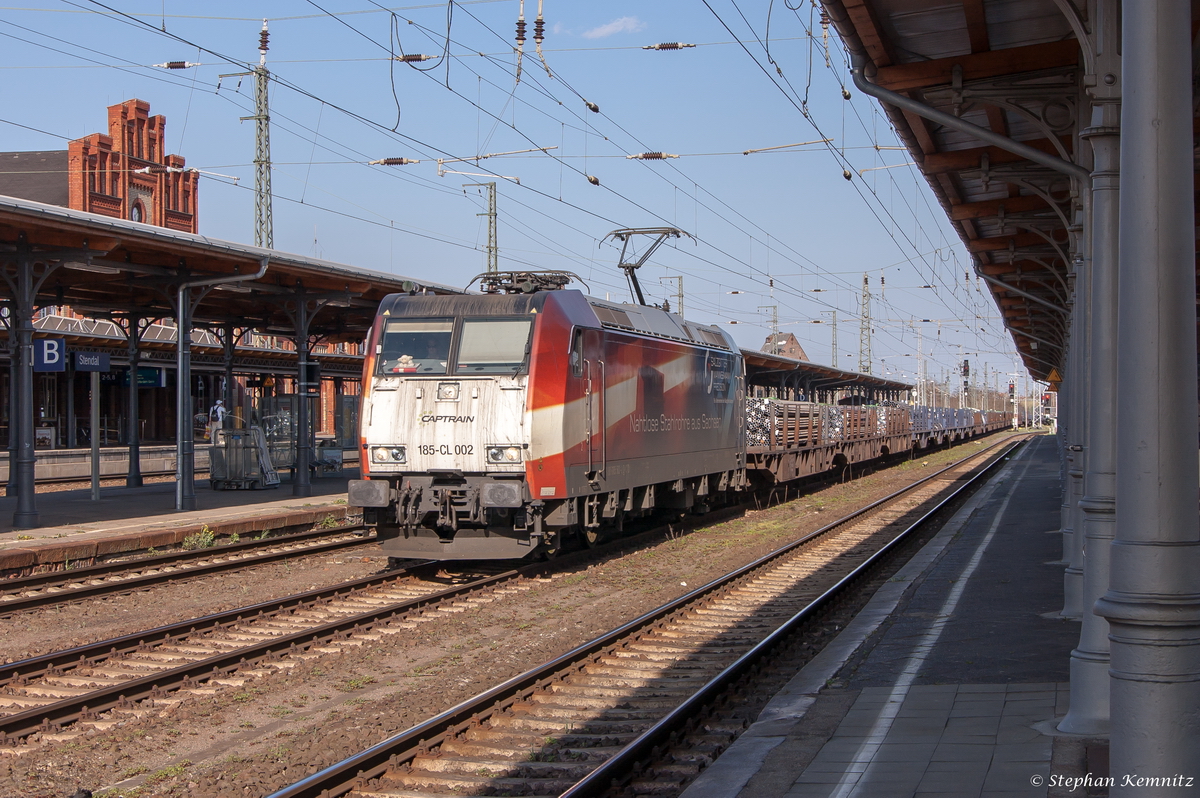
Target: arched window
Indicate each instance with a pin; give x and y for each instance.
(137, 213)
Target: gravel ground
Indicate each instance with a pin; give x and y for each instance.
(116, 482)
(275, 730)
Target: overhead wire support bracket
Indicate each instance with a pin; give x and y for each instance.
(786, 146)
(443, 172)
(160, 170)
(442, 161)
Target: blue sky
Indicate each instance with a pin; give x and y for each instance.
(785, 216)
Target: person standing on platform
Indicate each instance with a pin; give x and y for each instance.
(216, 419)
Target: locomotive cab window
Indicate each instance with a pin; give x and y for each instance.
(576, 356)
(417, 346)
(493, 346)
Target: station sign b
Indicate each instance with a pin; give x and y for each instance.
(50, 354)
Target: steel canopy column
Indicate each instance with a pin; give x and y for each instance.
(14, 364)
(24, 285)
(1089, 713)
(133, 477)
(185, 444)
(301, 307)
(1075, 365)
(26, 515)
(69, 374)
(228, 343)
(1073, 443)
(302, 485)
(1153, 602)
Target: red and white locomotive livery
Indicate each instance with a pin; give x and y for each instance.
(495, 426)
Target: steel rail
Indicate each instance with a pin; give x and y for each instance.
(157, 684)
(600, 780)
(355, 771)
(69, 594)
(94, 653)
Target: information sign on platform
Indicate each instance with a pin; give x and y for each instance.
(148, 377)
(50, 354)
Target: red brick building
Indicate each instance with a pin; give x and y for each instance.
(123, 173)
(785, 344)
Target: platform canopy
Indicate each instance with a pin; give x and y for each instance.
(764, 368)
(103, 265)
(1015, 68)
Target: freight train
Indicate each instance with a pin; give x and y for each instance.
(513, 423)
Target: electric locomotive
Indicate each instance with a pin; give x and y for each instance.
(504, 424)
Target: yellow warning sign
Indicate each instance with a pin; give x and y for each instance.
(1053, 376)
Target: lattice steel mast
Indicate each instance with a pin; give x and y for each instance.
(864, 329)
(493, 247)
(678, 291)
(773, 347)
(263, 222)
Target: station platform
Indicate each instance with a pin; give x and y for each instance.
(949, 682)
(77, 530)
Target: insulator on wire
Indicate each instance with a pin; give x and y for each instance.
(392, 162)
(591, 106)
(177, 65)
(520, 48)
(264, 36)
(539, 35)
(595, 181)
(667, 46)
(412, 57)
(651, 156)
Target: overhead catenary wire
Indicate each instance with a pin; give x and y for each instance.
(812, 121)
(773, 246)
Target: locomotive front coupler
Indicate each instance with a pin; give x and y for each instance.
(535, 513)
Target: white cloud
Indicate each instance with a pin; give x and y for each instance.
(621, 25)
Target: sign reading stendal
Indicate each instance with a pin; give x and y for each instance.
(91, 361)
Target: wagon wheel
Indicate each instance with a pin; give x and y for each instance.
(554, 545)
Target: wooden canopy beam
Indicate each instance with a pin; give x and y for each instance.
(980, 66)
(957, 160)
(988, 208)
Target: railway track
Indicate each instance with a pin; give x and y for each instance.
(61, 695)
(579, 724)
(53, 588)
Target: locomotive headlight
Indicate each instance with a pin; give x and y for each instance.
(389, 454)
(503, 454)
